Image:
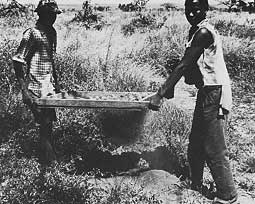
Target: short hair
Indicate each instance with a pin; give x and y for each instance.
(204, 3)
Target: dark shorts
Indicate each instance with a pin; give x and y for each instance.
(42, 114)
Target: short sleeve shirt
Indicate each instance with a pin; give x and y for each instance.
(36, 51)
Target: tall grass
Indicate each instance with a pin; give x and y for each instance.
(174, 125)
(237, 32)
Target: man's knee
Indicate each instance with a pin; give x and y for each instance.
(215, 158)
(46, 117)
(46, 122)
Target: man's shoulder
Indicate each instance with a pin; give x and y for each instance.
(203, 37)
(203, 33)
(31, 31)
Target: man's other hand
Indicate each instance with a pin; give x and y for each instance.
(155, 102)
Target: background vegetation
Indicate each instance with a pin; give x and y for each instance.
(132, 51)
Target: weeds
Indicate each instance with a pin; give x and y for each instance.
(87, 18)
(175, 125)
(144, 22)
(123, 194)
(13, 9)
(240, 62)
(231, 28)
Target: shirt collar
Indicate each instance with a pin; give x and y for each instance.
(202, 22)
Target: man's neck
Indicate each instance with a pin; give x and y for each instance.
(42, 23)
(194, 28)
(201, 21)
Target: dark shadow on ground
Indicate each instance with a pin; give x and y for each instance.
(122, 126)
(129, 163)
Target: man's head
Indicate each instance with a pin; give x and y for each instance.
(47, 11)
(195, 10)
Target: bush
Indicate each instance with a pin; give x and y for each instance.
(240, 62)
(128, 76)
(76, 73)
(128, 29)
(87, 18)
(12, 112)
(142, 23)
(77, 132)
(7, 77)
(15, 14)
(130, 194)
(174, 124)
(13, 9)
(161, 53)
(24, 181)
(231, 28)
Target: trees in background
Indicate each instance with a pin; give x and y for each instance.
(136, 5)
(13, 8)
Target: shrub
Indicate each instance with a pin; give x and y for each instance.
(24, 181)
(87, 18)
(174, 124)
(231, 28)
(128, 76)
(137, 5)
(12, 113)
(77, 132)
(15, 22)
(77, 73)
(15, 14)
(128, 29)
(13, 9)
(240, 62)
(142, 23)
(129, 194)
(161, 53)
(169, 6)
(7, 78)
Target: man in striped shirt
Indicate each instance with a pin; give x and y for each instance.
(35, 71)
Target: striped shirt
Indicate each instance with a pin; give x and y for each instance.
(36, 51)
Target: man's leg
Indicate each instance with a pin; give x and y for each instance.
(47, 154)
(196, 154)
(218, 162)
(215, 147)
(45, 118)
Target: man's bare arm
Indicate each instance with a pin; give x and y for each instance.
(19, 72)
(203, 39)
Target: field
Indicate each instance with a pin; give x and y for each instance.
(129, 52)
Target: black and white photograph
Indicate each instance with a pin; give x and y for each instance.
(127, 101)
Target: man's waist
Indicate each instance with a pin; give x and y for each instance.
(210, 87)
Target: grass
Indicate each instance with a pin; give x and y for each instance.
(108, 60)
